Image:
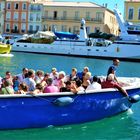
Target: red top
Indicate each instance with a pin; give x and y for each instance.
(109, 84)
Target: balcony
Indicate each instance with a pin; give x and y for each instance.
(23, 20)
(31, 32)
(14, 31)
(7, 19)
(35, 9)
(22, 31)
(99, 20)
(15, 19)
(7, 30)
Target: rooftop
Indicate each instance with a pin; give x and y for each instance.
(72, 4)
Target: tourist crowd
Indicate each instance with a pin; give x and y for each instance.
(30, 81)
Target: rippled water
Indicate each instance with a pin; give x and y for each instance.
(125, 126)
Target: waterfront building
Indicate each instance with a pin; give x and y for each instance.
(22, 16)
(2, 8)
(35, 16)
(66, 16)
(16, 16)
(132, 11)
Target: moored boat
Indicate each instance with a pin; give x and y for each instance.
(5, 48)
(125, 48)
(53, 109)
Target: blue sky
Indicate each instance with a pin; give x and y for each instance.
(110, 3)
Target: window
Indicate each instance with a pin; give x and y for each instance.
(15, 15)
(64, 14)
(87, 15)
(46, 14)
(39, 7)
(31, 17)
(76, 29)
(38, 17)
(130, 13)
(97, 29)
(139, 14)
(8, 16)
(15, 27)
(55, 15)
(77, 15)
(31, 27)
(23, 27)
(100, 16)
(64, 28)
(88, 29)
(23, 16)
(16, 6)
(24, 6)
(37, 27)
(8, 6)
(7, 27)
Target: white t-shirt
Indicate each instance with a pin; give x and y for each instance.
(94, 85)
(30, 83)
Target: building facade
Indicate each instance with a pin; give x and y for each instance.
(132, 11)
(35, 17)
(66, 16)
(2, 11)
(29, 16)
(16, 16)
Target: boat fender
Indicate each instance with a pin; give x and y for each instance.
(134, 98)
(117, 49)
(63, 101)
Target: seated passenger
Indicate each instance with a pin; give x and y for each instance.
(22, 75)
(81, 74)
(50, 87)
(76, 86)
(86, 80)
(22, 89)
(43, 82)
(109, 83)
(39, 76)
(60, 82)
(15, 83)
(7, 87)
(73, 76)
(39, 89)
(95, 84)
(67, 88)
(29, 81)
(54, 74)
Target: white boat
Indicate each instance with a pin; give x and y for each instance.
(126, 47)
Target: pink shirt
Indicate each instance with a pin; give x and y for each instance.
(51, 89)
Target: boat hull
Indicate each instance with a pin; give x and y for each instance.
(121, 51)
(5, 48)
(29, 111)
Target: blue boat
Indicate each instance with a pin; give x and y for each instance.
(54, 109)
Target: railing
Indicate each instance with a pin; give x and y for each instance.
(7, 30)
(23, 31)
(31, 31)
(35, 9)
(45, 18)
(14, 31)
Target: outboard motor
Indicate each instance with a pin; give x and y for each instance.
(134, 98)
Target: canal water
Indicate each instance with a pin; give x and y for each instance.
(125, 126)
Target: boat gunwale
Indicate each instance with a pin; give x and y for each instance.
(100, 91)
